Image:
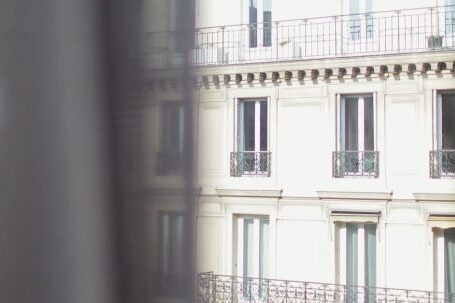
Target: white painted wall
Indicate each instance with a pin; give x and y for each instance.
(302, 139)
(217, 13)
(302, 132)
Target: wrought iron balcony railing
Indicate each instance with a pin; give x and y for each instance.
(355, 163)
(168, 163)
(250, 164)
(376, 33)
(221, 289)
(442, 163)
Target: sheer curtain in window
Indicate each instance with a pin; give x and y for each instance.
(449, 263)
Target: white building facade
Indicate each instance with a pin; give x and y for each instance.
(326, 145)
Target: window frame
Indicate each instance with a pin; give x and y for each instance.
(438, 155)
(255, 27)
(358, 163)
(341, 98)
(341, 251)
(260, 157)
(360, 28)
(165, 154)
(437, 117)
(170, 282)
(439, 259)
(181, 121)
(238, 248)
(257, 125)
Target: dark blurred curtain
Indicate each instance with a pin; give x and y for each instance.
(71, 83)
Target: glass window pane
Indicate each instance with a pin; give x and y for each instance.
(253, 19)
(354, 19)
(370, 255)
(264, 126)
(267, 19)
(368, 123)
(351, 127)
(264, 249)
(449, 263)
(450, 16)
(248, 124)
(448, 120)
(352, 254)
(172, 126)
(164, 243)
(248, 247)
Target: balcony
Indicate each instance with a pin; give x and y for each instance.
(378, 33)
(442, 164)
(355, 164)
(250, 164)
(217, 288)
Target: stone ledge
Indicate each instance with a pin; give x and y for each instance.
(267, 193)
(434, 197)
(334, 195)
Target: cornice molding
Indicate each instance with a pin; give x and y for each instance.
(336, 195)
(265, 193)
(434, 197)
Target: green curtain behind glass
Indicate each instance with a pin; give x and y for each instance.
(449, 263)
(370, 261)
(352, 261)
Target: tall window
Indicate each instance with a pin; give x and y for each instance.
(357, 123)
(171, 261)
(354, 10)
(267, 20)
(450, 16)
(369, 18)
(356, 136)
(251, 155)
(446, 120)
(175, 23)
(253, 23)
(260, 22)
(355, 24)
(442, 160)
(169, 157)
(252, 240)
(444, 259)
(356, 260)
